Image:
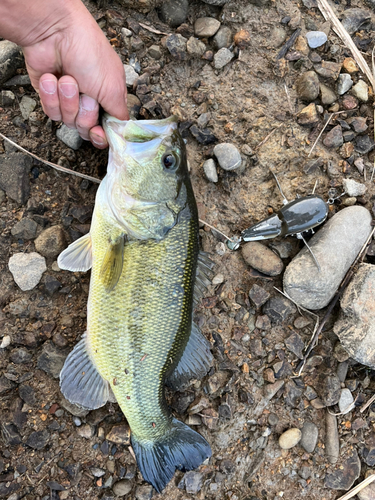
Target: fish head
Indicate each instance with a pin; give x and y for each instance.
(147, 157)
(147, 174)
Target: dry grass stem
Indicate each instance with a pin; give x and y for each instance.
(53, 165)
(320, 134)
(366, 405)
(268, 136)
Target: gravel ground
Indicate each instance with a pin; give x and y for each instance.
(265, 107)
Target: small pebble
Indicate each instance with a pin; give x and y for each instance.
(346, 401)
(195, 47)
(86, 431)
(308, 116)
(223, 37)
(205, 27)
(316, 39)
(327, 95)
(228, 156)
(308, 86)
(5, 342)
(290, 438)
(27, 106)
(334, 138)
(176, 44)
(344, 83)
(222, 58)
(122, 488)
(360, 91)
(69, 136)
(332, 444)
(130, 74)
(262, 258)
(27, 269)
(353, 188)
(209, 168)
(310, 435)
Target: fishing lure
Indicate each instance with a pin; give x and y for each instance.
(293, 219)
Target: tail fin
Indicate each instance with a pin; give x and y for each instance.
(181, 448)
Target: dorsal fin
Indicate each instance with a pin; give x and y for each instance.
(194, 363)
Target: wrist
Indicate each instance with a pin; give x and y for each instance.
(29, 22)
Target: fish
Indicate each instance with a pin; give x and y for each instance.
(147, 272)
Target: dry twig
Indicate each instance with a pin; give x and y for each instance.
(366, 405)
(358, 488)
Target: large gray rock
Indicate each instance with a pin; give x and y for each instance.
(14, 176)
(11, 59)
(356, 324)
(335, 247)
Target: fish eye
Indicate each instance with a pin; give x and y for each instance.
(169, 162)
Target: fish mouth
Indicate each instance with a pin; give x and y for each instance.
(136, 131)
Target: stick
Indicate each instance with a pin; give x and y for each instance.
(320, 134)
(358, 488)
(53, 165)
(284, 49)
(366, 405)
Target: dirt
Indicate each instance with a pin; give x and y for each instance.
(253, 102)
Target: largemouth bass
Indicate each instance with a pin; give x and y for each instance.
(146, 272)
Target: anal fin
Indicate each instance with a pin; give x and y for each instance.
(194, 363)
(78, 255)
(111, 268)
(80, 382)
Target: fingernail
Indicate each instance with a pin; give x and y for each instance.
(88, 103)
(68, 89)
(97, 139)
(48, 86)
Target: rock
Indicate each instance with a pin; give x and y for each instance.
(131, 75)
(290, 438)
(309, 437)
(5, 342)
(334, 138)
(355, 326)
(193, 481)
(222, 58)
(316, 39)
(308, 116)
(353, 188)
(301, 46)
(195, 47)
(262, 258)
(364, 144)
(51, 285)
(330, 390)
(344, 83)
(6, 385)
(203, 120)
(327, 95)
(73, 409)
(38, 440)
(69, 136)
(7, 98)
(51, 360)
(27, 269)
(346, 401)
(328, 69)
(358, 124)
(360, 91)
(369, 451)
(205, 27)
(20, 356)
(308, 86)
(86, 431)
(154, 51)
(348, 135)
(344, 477)
(25, 229)
(174, 12)
(278, 309)
(340, 353)
(27, 394)
(27, 106)
(349, 65)
(14, 176)
(51, 242)
(134, 105)
(216, 2)
(346, 150)
(203, 136)
(295, 344)
(335, 247)
(332, 444)
(258, 295)
(209, 168)
(223, 37)
(119, 434)
(143, 492)
(228, 156)
(349, 102)
(176, 44)
(292, 393)
(122, 488)
(11, 59)
(263, 322)
(353, 19)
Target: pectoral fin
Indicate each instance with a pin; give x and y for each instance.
(78, 255)
(111, 269)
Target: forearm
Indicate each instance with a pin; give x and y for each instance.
(27, 22)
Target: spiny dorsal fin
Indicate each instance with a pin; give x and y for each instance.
(194, 363)
(80, 381)
(78, 255)
(111, 269)
(204, 276)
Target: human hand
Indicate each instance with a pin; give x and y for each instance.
(75, 69)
